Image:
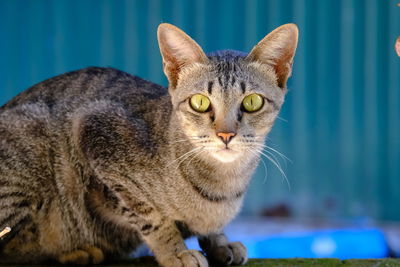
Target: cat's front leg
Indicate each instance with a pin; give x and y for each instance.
(221, 251)
(169, 247)
(161, 235)
(114, 144)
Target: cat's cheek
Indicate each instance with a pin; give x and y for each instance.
(187, 128)
(262, 126)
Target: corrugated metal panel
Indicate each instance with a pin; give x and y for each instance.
(340, 124)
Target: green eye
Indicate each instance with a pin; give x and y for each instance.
(253, 102)
(200, 103)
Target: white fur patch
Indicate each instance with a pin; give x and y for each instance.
(226, 155)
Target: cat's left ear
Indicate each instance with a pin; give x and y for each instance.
(277, 49)
(178, 51)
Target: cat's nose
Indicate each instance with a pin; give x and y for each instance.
(226, 137)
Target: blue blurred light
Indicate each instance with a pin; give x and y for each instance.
(342, 244)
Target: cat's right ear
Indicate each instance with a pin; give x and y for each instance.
(178, 51)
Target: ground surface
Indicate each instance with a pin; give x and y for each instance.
(149, 262)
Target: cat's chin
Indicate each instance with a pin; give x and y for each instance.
(226, 155)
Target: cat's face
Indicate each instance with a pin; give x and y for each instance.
(226, 103)
(225, 92)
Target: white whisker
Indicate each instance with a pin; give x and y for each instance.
(273, 156)
(195, 155)
(277, 166)
(263, 162)
(282, 119)
(177, 159)
(276, 151)
(193, 152)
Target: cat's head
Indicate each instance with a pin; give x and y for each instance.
(226, 102)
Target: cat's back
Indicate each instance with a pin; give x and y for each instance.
(36, 124)
(70, 90)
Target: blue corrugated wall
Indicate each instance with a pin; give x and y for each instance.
(340, 125)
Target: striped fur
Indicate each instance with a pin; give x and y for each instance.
(95, 162)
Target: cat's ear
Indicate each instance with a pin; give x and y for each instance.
(178, 51)
(277, 49)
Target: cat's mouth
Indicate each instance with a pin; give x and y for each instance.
(226, 154)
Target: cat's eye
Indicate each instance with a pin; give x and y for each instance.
(200, 103)
(253, 102)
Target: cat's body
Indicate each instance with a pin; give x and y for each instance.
(45, 121)
(96, 161)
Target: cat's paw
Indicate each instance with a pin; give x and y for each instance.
(78, 257)
(89, 254)
(96, 254)
(186, 258)
(234, 253)
(193, 258)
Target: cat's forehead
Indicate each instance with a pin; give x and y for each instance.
(227, 64)
(224, 84)
(227, 75)
(227, 69)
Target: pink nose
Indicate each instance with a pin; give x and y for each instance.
(226, 137)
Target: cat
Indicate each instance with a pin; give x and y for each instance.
(95, 162)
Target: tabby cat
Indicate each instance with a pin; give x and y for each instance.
(95, 162)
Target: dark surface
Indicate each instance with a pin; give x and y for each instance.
(150, 262)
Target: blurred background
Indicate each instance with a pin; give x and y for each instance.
(340, 125)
